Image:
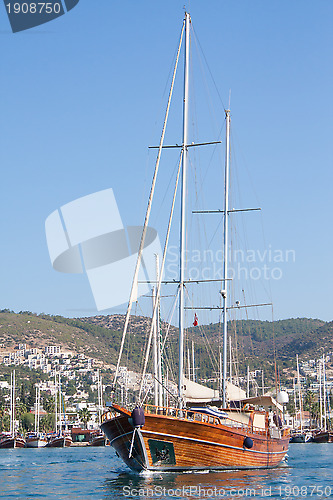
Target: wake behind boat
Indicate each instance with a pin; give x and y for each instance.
(238, 434)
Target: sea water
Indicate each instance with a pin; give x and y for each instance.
(96, 473)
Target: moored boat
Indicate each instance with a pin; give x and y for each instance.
(10, 441)
(59, 440)
(300, 437)
(98, 439)
(323, 436)
(36, 440)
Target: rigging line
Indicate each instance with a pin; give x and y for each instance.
(145, 337)
(247, 317)
(210, 107)
(152, 190)
(162, 268)
(200, 57)
(169, 322)
(166, 189)
(204, 336)
(216, 88)
(170, 361)
(274, 348)
(267, 288)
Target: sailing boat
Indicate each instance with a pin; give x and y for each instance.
(98, 438)
(12, 439)
(60, 438)
(299, 435)
(324, 434)
(36, 439)
(177, 438)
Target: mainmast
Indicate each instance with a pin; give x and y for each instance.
(225, 258)
(182, 259)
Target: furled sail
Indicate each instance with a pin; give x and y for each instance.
(195, 392)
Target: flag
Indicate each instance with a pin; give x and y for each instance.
(195, 322)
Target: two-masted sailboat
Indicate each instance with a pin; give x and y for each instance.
(36, 439)
(61, 438)
(12, 439)
(159, 437)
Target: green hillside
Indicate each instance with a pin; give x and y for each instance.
(99, 337)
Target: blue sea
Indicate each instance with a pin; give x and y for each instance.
(96, 473)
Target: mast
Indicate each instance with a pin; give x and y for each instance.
(299, 393)
(36, 406)
(225, 257)
(320, 396)
(182, 262)
(12, 402)
(324, 393)
(60, 410)
(38, 409)
(156, 388)
(100, 396)
(158, 335)
(230, 360)
(193, 372)
(56, 400)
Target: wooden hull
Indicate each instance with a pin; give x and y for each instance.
(301, 438)
(173, 444)
(98, 440)
(323, 437)
(59, 442)
(12, 442)
(36, 442)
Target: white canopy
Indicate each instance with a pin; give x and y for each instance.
(265, 401)
(195, 392)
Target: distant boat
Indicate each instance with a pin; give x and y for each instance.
(301, 437)
(98, 439)
(9, 441)
(322, 437)
(60, 438)
(324, 434)
(12, 439)
(36, 439)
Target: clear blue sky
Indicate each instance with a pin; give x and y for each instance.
(81, 100)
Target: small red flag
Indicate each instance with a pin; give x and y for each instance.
(195, 322)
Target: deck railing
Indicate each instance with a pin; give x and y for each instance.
(197, 416)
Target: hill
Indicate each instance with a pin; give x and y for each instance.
(99, 337)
